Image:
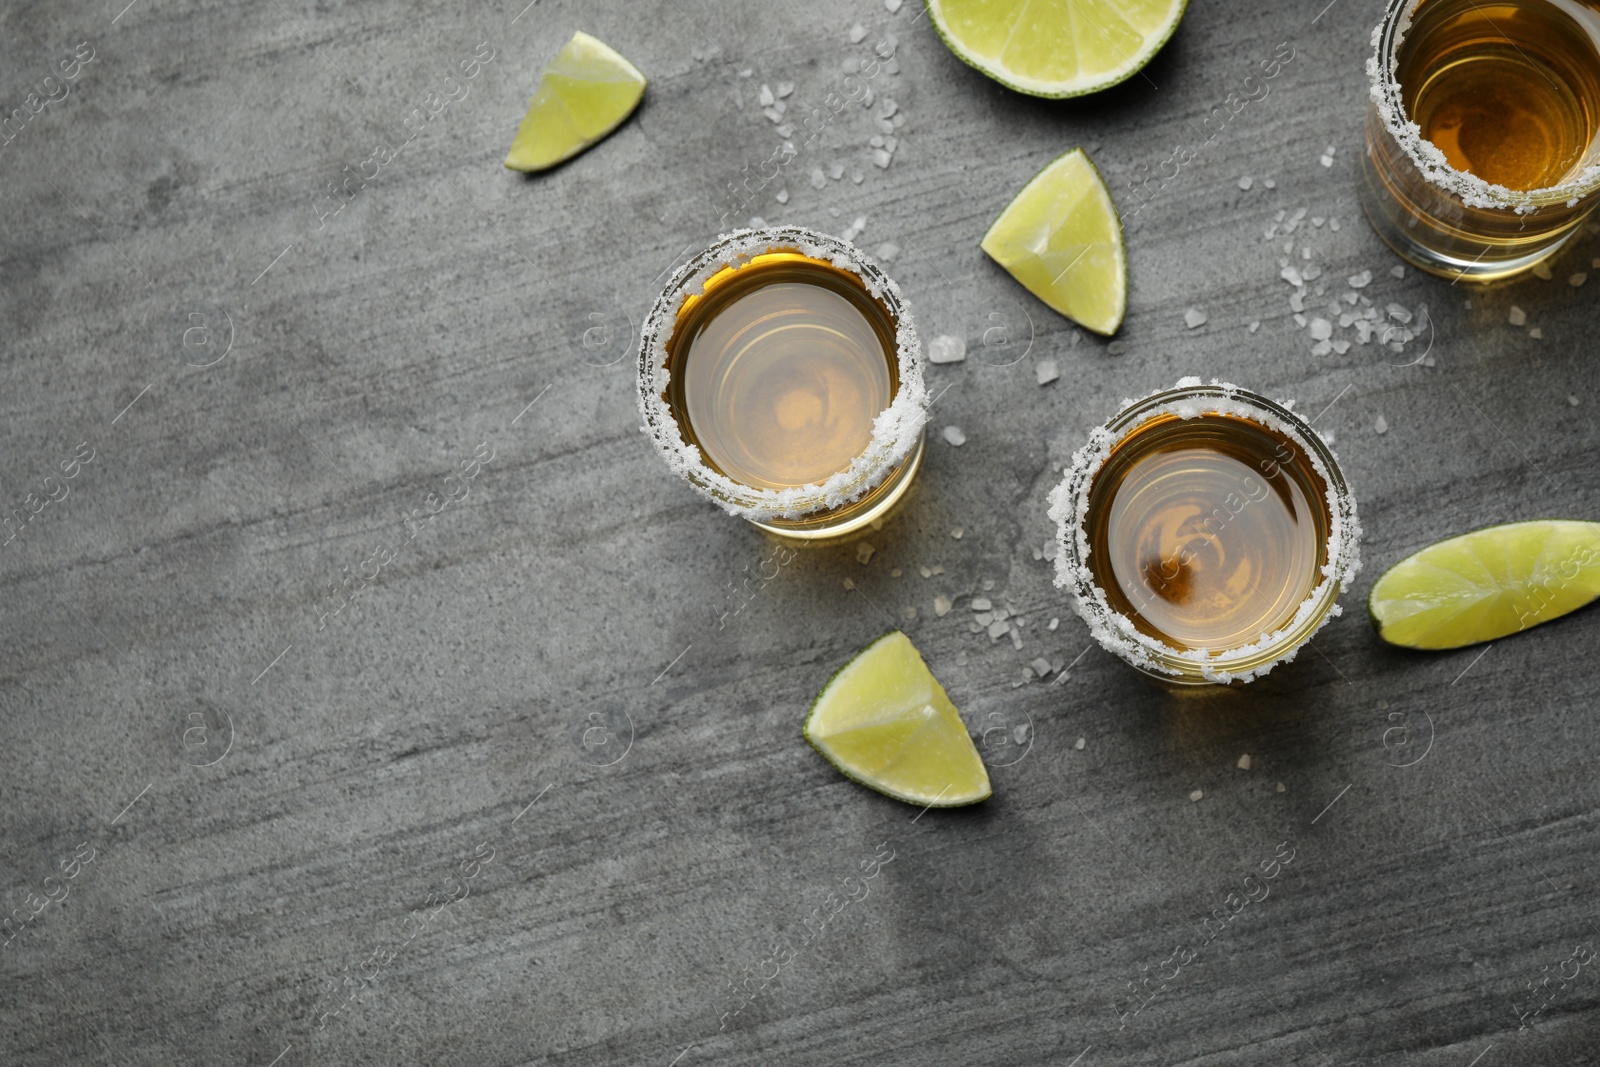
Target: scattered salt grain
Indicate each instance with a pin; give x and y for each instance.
(848, 584)
(1321, 329)
(1577, 279)
(765, 97)
(1398, 272)
(982, 603)
(857, 33)
(887, 251)
(1079, 743)
(1381, 425)
(1333, 224)
(998, 629)
(1281, 789)
(1057, 622)
(910, 614)
(1196, 795)
(818, 179)
(1536, 333)
(1360, 281)
(1041, 666)
(1244, 762)
(1194, 318)
(1045, 371)
(941, 606)
(895, 573)
(864, 551)
(1542, 270)
(785, 89)
(925, 572)
(857, 177)
(892, 6)
(954, 435)
(1245, 182)
(946, 349)
(836, 171)
(956, 533)
(1517, 317)
(1254, 326)
(782, 196)
(1572, 398)
(880, 158)
(1270, 184)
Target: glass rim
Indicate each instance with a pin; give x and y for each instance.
(895, 430)
(1114, 631)
(1430, 162)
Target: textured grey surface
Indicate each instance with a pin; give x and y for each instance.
(535, 689)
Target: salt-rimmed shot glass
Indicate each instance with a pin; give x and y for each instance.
(780, 374)
(1513, 88)
(1205, 533)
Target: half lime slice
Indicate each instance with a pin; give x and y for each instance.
(585, 93)
(1056, 48)
(1488, 584)
(885, 721)
(1062, 239)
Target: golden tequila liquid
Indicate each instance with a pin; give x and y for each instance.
(778, 365)
(1207, 532)
(1509, 95)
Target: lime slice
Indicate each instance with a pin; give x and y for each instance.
(1056, 48)
(584, 94)
(884, 720)
(1062, 239)
(1487, 584)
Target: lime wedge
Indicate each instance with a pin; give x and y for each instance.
(1056, 48)
(1062, 239)
(1487, 584)
(584, 94)
(884, 720)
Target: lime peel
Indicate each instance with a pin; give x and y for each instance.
(587, 92)
(1487, 584)
(883, 720)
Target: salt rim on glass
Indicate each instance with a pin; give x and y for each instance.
(895, 431)
(1431, 163)
(1115, 632)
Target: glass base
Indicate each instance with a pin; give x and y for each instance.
(841, 522)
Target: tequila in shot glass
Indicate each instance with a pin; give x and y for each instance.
(1482, 148)
(1205, 533)
(780, 373)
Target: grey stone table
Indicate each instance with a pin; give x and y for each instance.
(313, 753)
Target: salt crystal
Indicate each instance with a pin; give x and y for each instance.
(784, 89)
(1333, 224)
(1016, 639)
(910, 614)
(1311, 274)
(998, 629)
(1292, 276)
(1381, 425)
(1577, 279)
(836, 171)
(887, 251)
(1254, 326)
(857, 177)
(937, 569)
(956, 533)
(1326, 161)
(941, 606)
(1398, 313)
(1197, 794)
(756, 222)
(880, 157)
(1281, 789)
(1321, 329)
(1079, 743)
(1572, 399)
(1542, 270)
(1045, 371)
(988, 584)
(773, 114)
(954, 435)
(895, 573)
(857, 33)
(899, 119)
(1116, 348)
(1398, 272)
(1536, 333)
(981, 603)
(765, 97)
(864, 552)
(1244, 762)
(1351, 298)
(1194, 318)
(875, 141)
(1517, 316)
(1360, 281)
(891, 142)
(1341, 346)
(1056, 622)
(782, 196)
(892, 5)
(946, 349)
(1305, 253)
(1322, 348)
(925, 572)
(1270, 184)
(848, 584)
(1300, 321)
(818, 179)
(1244, 183)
